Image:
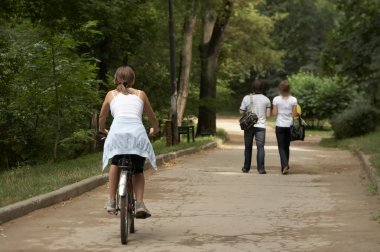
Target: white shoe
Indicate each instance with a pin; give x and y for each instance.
(141, 211)
(111, 206)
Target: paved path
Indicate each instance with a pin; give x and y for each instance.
(203, 202)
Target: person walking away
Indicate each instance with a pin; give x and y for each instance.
(285, 107)
(127, 135)
(261, 107)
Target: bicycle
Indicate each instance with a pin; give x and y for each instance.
(125, 201)
(125, 198)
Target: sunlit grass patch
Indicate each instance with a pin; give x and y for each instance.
(368, 144)
(375, 160)
(322, 133)
(28, 181)
(372, 189)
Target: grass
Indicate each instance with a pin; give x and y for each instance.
(368, 144)
(372, 189)
(377, 217)
(27, 181)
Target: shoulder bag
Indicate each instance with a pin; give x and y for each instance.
(249, 118)
(297, 130)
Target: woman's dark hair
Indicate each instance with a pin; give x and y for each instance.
(257, 86)
(284, 88)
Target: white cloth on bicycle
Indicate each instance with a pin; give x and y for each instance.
(127, 135)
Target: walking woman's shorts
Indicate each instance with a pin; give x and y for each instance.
(137, 161)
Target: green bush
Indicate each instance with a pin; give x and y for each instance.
(77, 144)
(44, 83)
(359, 119)
(222, 134)
(320, 97)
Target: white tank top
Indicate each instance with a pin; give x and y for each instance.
(285, 110)
(128, 105)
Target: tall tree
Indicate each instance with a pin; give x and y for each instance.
(249, 52)
(214, 25)
(300, 30)
(186, 56)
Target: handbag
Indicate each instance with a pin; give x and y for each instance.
(250, 118)
(297, 131)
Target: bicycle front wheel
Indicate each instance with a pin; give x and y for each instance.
(131, 212)
(124, 219)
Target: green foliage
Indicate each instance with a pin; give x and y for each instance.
(320, 97)
(223, 94)
(249, 50)
(77, 144)
(372, 189)
(353, 47)
(40, 76)
(300, 30)
(375, 160)
(248, 44)
(63, 47)
(222, 134)
(359, 119)
(192, 105)
(377, 217)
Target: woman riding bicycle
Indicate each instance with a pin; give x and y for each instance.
(127, 135)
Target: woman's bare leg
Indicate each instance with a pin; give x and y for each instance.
(138, 186)
(113, 177)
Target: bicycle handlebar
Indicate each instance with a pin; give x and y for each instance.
(102, 135)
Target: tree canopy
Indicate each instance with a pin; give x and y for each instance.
(57, 59)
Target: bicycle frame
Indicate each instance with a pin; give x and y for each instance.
(123, 183)
(126, 173)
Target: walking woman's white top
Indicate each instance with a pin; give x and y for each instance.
(127, 134)
(285, 110)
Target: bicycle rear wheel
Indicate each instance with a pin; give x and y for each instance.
(124, 220)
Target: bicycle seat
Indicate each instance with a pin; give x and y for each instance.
(125, 163)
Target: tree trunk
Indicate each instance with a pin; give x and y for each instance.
(212, 41)
(57, 103)
(186, 58)
(173, 102)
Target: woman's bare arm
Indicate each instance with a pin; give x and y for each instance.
(275, 110)
(151, 116)
(268, 112)
(104, 113)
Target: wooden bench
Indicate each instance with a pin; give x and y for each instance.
(186, 130)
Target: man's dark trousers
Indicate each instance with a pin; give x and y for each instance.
(259, 135)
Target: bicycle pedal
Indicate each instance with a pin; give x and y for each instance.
(142, 215)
